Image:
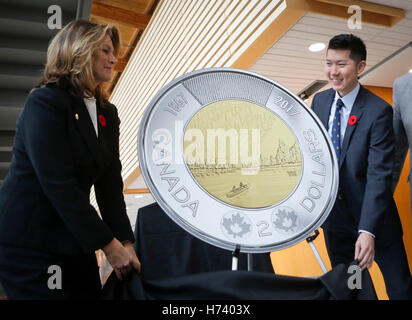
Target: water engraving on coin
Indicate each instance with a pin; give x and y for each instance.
(252, 158)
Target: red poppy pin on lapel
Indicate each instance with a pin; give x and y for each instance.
(352, 120)
(102, 120)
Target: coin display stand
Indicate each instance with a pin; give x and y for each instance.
(235, 258)
(309, 240)
(315, 252)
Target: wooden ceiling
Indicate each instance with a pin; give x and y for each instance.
(289, 62)
(131, 17)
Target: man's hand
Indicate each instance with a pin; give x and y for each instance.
(365, 250)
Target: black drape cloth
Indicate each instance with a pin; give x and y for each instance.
(166, 250)
(240, 285)
(178, 266)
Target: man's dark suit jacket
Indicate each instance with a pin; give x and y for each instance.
(364, 200)
(57, 157)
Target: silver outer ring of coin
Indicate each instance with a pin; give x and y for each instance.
(196, 211)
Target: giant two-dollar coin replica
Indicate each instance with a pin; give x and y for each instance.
(237, 160)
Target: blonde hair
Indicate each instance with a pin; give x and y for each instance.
(70, 53)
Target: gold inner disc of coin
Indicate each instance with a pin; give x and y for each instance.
(242, 153)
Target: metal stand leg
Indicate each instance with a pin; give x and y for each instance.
(235, 258)
(315, 252)
(249, 262)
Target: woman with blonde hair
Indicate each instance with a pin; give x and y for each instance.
(67, 140)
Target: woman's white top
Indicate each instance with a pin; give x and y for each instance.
(91, 107)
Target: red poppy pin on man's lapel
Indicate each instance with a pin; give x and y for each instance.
(352, 120)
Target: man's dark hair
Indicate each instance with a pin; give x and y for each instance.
(349, 42)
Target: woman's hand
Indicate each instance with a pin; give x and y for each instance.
(120, 258)
(135, 261)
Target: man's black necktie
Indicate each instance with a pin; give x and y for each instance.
(336, 134)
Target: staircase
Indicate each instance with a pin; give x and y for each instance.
(26, 28)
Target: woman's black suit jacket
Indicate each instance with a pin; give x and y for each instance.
(57, 157)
